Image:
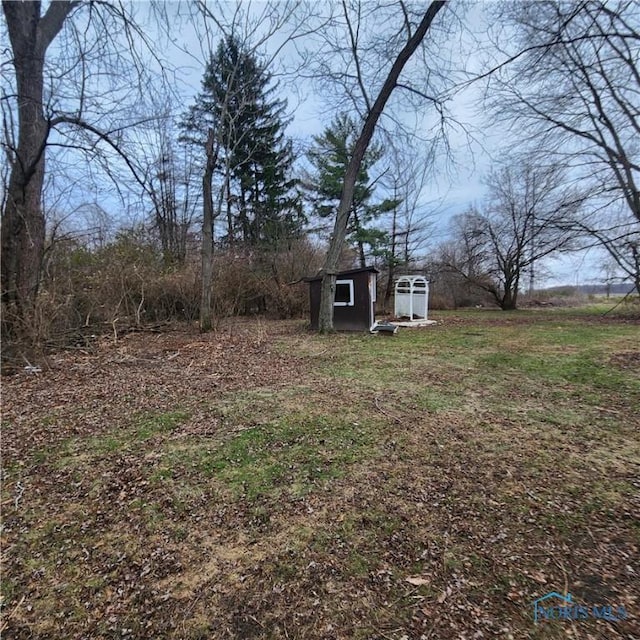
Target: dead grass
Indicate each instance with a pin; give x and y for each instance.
(263, 482)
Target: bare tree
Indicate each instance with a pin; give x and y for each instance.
(619, 236)
(173, 203)
(23, 225)
(412, 221)
(167, 176)
(209, 215)
(409, 39)
(73, 49)
(575, 89)
(521, 223)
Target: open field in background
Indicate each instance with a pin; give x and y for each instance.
(264, 482)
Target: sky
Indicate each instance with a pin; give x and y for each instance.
(457, 179)
(454, 187)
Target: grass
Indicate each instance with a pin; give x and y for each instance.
(292, 484)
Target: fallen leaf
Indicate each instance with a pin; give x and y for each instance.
(538, 576)
(416, 581)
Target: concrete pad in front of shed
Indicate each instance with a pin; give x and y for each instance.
(415, 323)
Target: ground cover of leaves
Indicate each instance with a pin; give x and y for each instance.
(265, 482)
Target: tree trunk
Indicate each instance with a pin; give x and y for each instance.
(230, 230)
(327, 295)
(207, 238)
(361, 255)
(635, 250)
(392, 260)
(508, 302)
(243, 215)
(510, 297)
(23, 223)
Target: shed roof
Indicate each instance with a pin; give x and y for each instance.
(340, 274)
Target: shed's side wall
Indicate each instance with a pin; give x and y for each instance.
(314, 302)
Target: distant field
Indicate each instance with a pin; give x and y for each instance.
(265, 482)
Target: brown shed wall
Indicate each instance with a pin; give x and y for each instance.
(355, 318)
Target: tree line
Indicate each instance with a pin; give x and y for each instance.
(221, 176)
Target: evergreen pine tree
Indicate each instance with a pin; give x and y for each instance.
(254, 160)
(330, 156)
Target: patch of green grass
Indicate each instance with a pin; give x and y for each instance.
(142, 428)
(528, 343)
(106, 444)
(583, 369)
(248, 405)
(49, 421)
(148, 425)
(285, 571)
(292, 454)
(567, 417)
(357, 564)
(298, 451)
(436, 400)
(95, 583)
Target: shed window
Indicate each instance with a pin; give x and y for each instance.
(344, 293)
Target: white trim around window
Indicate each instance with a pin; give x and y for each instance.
(348, 303)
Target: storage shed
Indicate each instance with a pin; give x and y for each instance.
(411, 297)
(354, 305)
